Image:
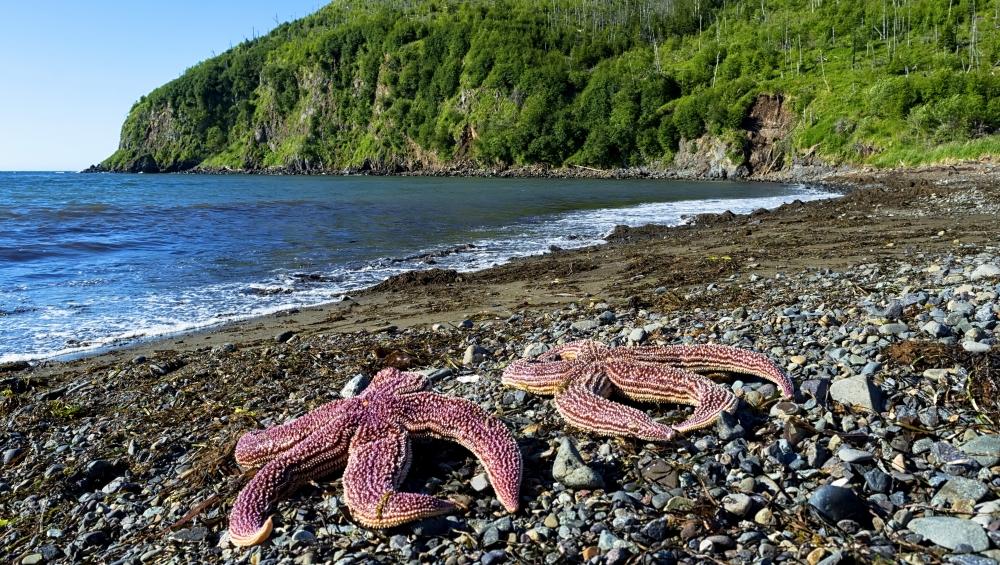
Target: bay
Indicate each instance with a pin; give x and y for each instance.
(88, 260)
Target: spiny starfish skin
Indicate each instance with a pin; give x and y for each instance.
(582, 375)
(369, 435)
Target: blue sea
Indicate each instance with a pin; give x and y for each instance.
(89, 261)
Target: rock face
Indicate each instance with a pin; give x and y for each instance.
(767, 124)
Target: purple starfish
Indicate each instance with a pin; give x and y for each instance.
(583, 374)
(370, 435)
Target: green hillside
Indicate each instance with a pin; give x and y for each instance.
(410, 84)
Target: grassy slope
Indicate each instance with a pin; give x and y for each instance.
(514, 82)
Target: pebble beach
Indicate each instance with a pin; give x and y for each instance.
(882, 306)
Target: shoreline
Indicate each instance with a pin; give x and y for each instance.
(138, 340)
(895, 285)
(798, 172)
(257, 328)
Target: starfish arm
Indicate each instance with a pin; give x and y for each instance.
(713, 357)
(584, 405)
(537, 377)
(324, 451)
(255, 448)
(393, 382)
(657, 383)
(374, 470)
(469, 425)
(572, 350)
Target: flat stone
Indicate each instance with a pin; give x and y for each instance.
(959, 489)
(951, 532)
(91, 539)
(877, 480)
(32, 559)
(656, 530)
(764, 517)
(976, 347)
(617, 556)
(679, 504)
(303, 537)
(584, 325)
(608, 541)
(737, 504)
(857, 391)
(606, 317)
(190, 535)
(534, 350)
(984, 449)
(637, 335)
(493, 557)
(895, 328)
(851, 455)
(984, 271)
(491, 537)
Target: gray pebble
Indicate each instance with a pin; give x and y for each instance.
(570, 469)
(480, 482)
(355, 386)
(984, 449)
(838, 503)
(857, 391)
(959, 489)
(851, 455)
(737, 504)
(950, 532)
(475, 354)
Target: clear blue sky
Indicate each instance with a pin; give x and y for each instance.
(70, 71)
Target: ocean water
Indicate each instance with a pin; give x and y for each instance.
(93, 260)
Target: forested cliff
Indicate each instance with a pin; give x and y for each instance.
(731, 86)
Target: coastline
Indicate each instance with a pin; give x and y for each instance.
(798, 172)
(513, 273)
(810, 284)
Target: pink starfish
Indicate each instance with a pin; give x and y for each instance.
(583, 374)
(370, 435)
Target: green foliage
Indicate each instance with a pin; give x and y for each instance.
(577, 81)
(60, 410)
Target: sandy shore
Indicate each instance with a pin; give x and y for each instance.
(126, 456)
